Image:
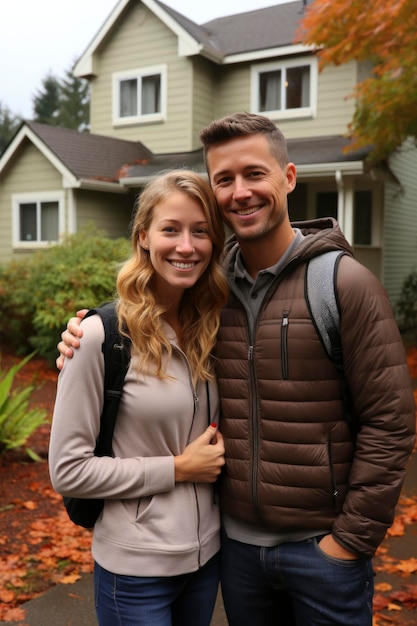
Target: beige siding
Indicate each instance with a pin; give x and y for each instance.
(400, 221)
(141, 40)
(334, 109)
(204, 97)
(232, 89)
(109, 212)
(30, 172)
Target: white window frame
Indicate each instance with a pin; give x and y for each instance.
(138, 75)
(36, 198)
(286, 114)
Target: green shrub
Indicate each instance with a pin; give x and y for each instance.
(37, 295)
(407, 304)
(17, 421)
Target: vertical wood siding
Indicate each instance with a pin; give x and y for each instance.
(400, 221)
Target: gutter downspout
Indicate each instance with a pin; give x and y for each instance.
(345, 205)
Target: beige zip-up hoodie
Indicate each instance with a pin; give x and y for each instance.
(150, 526)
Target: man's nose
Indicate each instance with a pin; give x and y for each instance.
(241, 190)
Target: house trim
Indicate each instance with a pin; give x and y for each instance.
(69, 180)
(187, 45)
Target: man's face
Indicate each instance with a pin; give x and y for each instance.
(250, 186)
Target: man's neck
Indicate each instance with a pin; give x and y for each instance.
(259, 254)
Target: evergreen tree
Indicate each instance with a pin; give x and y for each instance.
(47, 103)
(74, 110)
(8, 126)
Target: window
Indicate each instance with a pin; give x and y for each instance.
(285, 90)
(36, 220)
(139, 95)
(363, 218)
(326, 206)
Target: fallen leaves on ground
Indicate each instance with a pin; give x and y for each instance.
(40, 546)
(51, 550)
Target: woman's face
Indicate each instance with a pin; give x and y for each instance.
(179, 244)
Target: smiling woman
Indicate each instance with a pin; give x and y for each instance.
(159, 515)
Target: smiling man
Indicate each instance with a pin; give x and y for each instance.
(304, 506)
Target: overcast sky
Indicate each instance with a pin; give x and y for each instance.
(39, 37)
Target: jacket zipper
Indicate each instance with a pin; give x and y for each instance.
(332, 477)
(196, 407)
(253, 426)
(284, 345)
(253, 387)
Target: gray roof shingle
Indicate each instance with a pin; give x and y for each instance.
(90, 156)
(260, 29)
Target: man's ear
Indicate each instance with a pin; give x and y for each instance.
(291, 174)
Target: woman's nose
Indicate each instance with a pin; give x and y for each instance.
(185, 245)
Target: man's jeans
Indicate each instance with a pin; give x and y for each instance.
(294, 584)
(186, 600)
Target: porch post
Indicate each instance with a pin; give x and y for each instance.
(345, 205)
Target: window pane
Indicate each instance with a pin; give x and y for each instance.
(270, 91)
(297, 87)
(363, 218)
(49, 221)
(151, 94)
(326, 204)
(28, 222)
(128, 97)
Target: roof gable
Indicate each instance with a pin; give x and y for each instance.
(243, 33)
(76, 155)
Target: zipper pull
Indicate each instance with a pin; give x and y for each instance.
(250, 353)
(196, 403)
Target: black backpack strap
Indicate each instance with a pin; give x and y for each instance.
(116, 351)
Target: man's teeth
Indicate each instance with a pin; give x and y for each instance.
(183, 266)
(247, 211)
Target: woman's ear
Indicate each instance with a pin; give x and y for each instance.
(143, 239)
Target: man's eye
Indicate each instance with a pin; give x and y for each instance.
(224, 181)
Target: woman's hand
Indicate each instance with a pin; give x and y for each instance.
(202, 460)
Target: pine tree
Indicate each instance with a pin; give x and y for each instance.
(74, 110)
(8, 126)
(47, 103)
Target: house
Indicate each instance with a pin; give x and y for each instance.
(156, 78)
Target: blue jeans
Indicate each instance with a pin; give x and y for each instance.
(294, 584)
(186, 600)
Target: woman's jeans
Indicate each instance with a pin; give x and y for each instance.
(186, 600)
(294, 584)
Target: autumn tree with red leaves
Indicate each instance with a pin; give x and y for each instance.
(383, 33)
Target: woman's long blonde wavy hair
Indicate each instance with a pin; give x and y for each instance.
(140, 316)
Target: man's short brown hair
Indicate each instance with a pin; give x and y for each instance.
(242, 125)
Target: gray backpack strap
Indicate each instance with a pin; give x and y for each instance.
(321, 298)
(322, 303)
